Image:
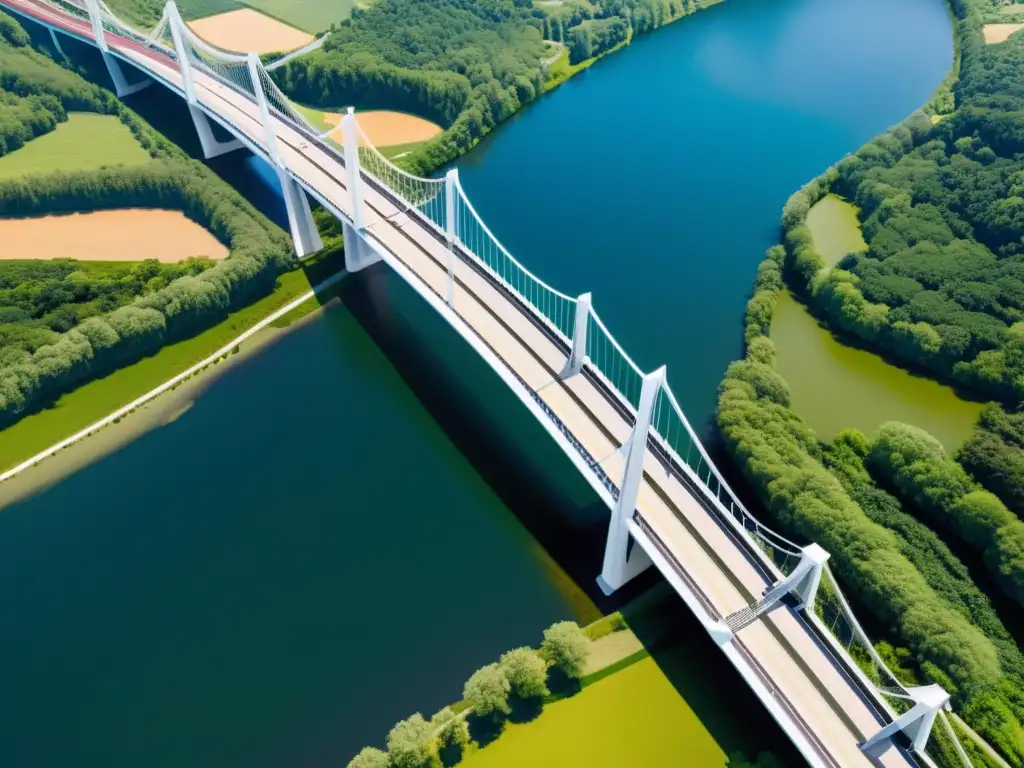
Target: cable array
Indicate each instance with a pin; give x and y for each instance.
(554, 308)
(671, 431)
(428, 196)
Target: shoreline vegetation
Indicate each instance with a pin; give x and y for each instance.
(477, 72)
(580, 49)
(80, 338)
(933, 560)
(503, 719)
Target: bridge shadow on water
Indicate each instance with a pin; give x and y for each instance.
(518, 459)
(503, 443)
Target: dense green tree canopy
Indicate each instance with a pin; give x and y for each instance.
(526, 671)
(63, 323)
(566, 648)
(465, 64)
(487, 691)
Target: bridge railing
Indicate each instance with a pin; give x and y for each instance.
(554, 308)
(427, 196)
(605, 358)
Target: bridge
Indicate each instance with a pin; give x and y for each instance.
(773, 607)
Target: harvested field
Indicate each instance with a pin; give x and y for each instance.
(383, 127)
(246, 30)
(998, 33)
(124, 235)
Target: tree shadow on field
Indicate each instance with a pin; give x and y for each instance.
(524, 710)
(450, 754)
(485, 729)
(561, 685)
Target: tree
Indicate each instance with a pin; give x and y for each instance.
(410, 742)
(487, 691)
(452, 730)
(566, 648)
(526, 671)
(370, 757)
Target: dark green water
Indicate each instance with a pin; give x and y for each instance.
(345, 526)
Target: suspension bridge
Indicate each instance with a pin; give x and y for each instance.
(773, 607)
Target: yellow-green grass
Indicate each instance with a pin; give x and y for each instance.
(313, 16)
(91, 402)
(835, 228)
(634, 717)
(84, 143)
(561, 70)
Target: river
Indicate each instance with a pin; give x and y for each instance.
(345, 525)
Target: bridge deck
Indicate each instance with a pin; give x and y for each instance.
(825, 710)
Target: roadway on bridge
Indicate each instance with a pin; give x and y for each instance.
(824, 707)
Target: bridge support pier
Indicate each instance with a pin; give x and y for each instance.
(579, 338)
(176, 25)
(621, 561)
(451, 189)
(358, 253)
(802, 582)
(211, 146)
(305, 236)
(806, 577)
(121, 85)
(916, 722)
(56, 43)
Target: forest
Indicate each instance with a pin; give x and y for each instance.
(467, 65)
(941, 286)
(64, 323)
(941, 627)
(930, 546)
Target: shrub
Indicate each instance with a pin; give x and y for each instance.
(566, 648)
(454, 734)
(410, 741)
(487, 691)
(370, 757)
(526, 672)
(917, 466)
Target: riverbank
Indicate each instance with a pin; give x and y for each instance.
(162, 405)
(102, 402)
(821, 370)
(838, 488)
(636, 665)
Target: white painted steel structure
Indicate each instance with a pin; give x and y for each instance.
(773, 607)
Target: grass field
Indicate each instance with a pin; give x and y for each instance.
(91, 402)
(84, 143)
(311, 16)
(835, 228)
(633, 717)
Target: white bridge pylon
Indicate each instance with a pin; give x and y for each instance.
(659, 426)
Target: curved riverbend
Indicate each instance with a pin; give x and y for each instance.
(333, 535)
(711, 123)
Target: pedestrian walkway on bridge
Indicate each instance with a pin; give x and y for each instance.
(772, 606)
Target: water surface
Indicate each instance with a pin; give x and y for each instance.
(344, 527)
(836, 229)
(656, 178)
(835, 386)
